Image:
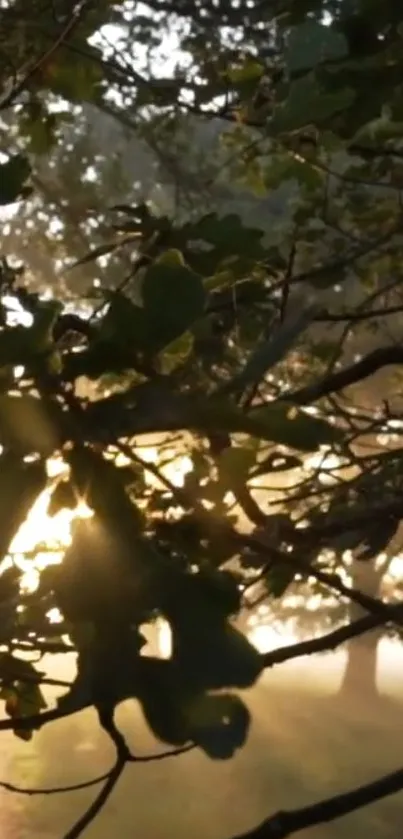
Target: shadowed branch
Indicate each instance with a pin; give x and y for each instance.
(286, 823)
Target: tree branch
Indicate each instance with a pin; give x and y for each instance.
(94, 809)
(286, 823)
(124, 757)
(323, 644)
(34, 68)
(54, 790)
(340, 317)
(388, 612)
(367, 366)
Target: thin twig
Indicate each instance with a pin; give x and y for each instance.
(94, 809)
(54, 790)
(340, 317)
(17, 88)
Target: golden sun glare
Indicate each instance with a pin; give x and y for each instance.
(42, 539)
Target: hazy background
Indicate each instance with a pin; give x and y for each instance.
(305, 743)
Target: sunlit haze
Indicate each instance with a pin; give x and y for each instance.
(43, 539)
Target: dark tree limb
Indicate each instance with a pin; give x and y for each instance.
(286, 823)
(324, 643)
(153, 407)
(367, 366)
(95, 808)
(355, 317)
(258, 545)
(380, 613)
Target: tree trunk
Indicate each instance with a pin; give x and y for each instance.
(360, 675)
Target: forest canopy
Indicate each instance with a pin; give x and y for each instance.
(201, 210)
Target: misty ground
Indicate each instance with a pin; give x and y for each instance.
(305, 743)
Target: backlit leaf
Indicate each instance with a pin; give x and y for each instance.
(124, 323)
(307, 103)
(311, 43)
(23, 699)
(218, 724)
(278, 578)
(249, 71)
(176, 353)
(13, 177)
(173, 299)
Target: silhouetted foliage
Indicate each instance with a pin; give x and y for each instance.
(234, 342)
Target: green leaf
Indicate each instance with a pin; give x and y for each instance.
(278, 578)
(14, 346)
(41, 331)
(307, 103)
(16, 669)
(176, 353)
(32, 699)
(249, 71)
(41, 133)
(23, 699)
(173, 298)
(177, 714)
(218, 724)
(20, 344)
(254, 179)
(13, 176)
(210, 652)
(227, 234)
(162, 696)
(124, 323)
(311, 43)
(9, 582)
(288, 168)
(241, 664)
(221, 591)
(219, 280)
